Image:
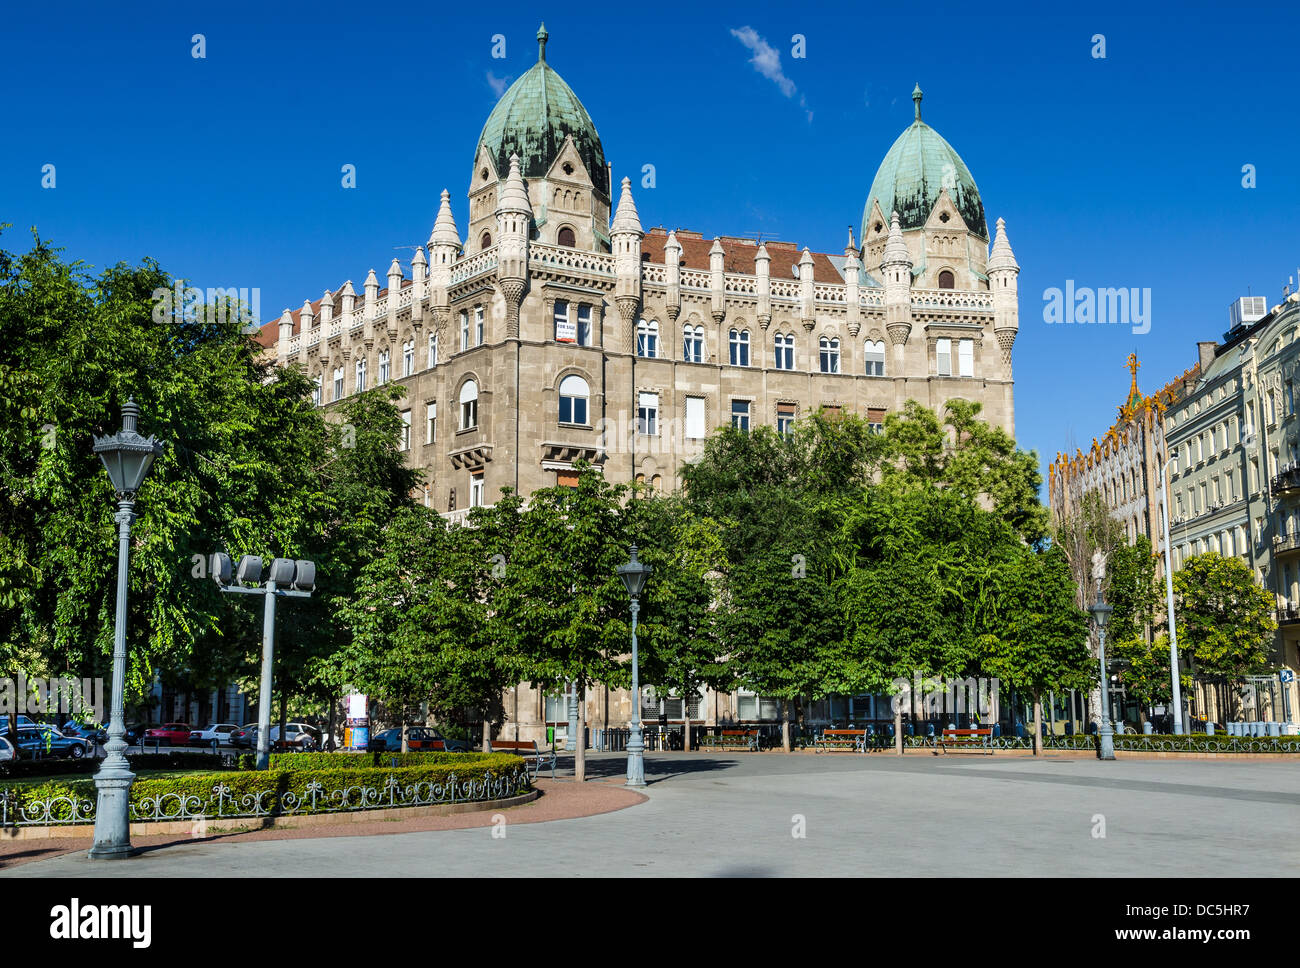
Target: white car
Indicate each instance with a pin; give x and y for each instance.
(6, 751)
(297, 734)
(214, 735)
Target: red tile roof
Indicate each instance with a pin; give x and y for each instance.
(739, 255)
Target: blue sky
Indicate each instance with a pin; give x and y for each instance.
(1117, 172)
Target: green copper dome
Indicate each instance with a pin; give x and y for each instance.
(917, 167)
(532, 119)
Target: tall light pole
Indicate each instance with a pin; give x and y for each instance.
(1175, 685)
(292, 579)
(634, 575)
(1101, 615)
(127, 456)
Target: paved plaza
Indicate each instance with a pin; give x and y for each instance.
(876, 815)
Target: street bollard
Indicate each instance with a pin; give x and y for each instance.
(1209, 729)
(1148, 729)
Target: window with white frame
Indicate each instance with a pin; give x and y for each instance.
(574, 394)
(784, 351)
(479, 326)
(433, 350)
(943, 357)
(647, 414)
(693, 344)
(431, 422)
(966, 357)
(740, 414)
(464, 330)
(875, 355)
(829, 355)
(338, 383)
(408, 358)
(384, 367)
(316, 391)
(584, 325)
(647, 338)
(785, 417)
(566, 329)
(695, 426)
(406, 430)
(468, 405)
(739, 340)
(476, 489)
(361, 376)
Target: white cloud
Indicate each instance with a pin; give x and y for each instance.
(499, 84)
(767, 61)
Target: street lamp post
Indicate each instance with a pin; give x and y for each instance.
(634, 575)
(1176, 694)
(127, 456)
(288, 578)
(1101, 615)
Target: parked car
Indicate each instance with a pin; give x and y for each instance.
(245, 737)
(296, 736)
(169, 734)
(22, 721)
(6, 750)
(43, 740)
(214, 735)
(135, 733)
(91, 734)
(417, 738)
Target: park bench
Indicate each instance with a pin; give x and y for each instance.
(534, 758)
(731, 739)
(853, 740)
(978, 739)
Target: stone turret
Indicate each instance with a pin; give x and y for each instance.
(717, 281)
(444, 247)
(673, 263)
(807, 316)
(514, 216)
(851, 267)
(1002, 272)
(348, 296)
(372, 302)
(625, 236)
(286, 332)
(763, 270)
(896, 268)
(419, 287)
(305, 317)
(394, 290)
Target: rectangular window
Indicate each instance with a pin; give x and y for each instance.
(876, 418)
(406, 430)
(479, 326)
(464, 330)
(338, 383)
(740, 414)
(566, 478)
(476, 490)
(565, 329)
(739, 344)
(408, 358)
(316, 392)
(584, 325)
(943, 357)
(785, 417)
(695, 429)
(647, 414)
(383, 368)
(966, 357)
(785, 351)
(875, 354)
(361, 376)
(433, 350)
(431, 422)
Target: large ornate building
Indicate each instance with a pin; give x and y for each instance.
(547, 333)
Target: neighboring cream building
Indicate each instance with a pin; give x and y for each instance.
(550, 333)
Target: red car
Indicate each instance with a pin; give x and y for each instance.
(169, 734)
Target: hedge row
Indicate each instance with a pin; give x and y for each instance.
(331, 761)
(176, 760)
(276, 783)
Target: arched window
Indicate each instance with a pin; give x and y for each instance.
(573, 400)
(829, 353)
(946, 279)
(739, 347)
(361, 376)
(408, 358)
(647, 338)
(785, 351)
(875, 354)
(338, 383)
(693, 344)
(384, 367)
(486, 241)
(468, 405)
(565, 237)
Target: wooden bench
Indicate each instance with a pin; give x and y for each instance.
(978, 739)
(731, 739)
(853, 740)
(534, 758)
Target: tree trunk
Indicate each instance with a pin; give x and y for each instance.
(785, 725)
(487, 734)
(329, 740)
(898, 729)
(406, 743)
(579, 746)
(1038, 726)
(284, 712)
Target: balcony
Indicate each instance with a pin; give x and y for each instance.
(1287, 616)
(1286, 543)
(1286, 483)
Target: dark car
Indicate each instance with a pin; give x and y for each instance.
(418, 738)
(34, 741)
(168, 734)
(91, 734)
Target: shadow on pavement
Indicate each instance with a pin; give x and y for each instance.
(658, 766)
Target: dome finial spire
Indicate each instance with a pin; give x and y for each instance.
(541, 42)
(916, 99)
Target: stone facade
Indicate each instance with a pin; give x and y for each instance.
(551, 334)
